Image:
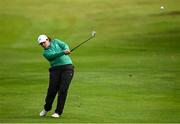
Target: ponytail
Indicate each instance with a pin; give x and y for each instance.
(49, 39)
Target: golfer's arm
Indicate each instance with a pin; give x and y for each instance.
(63, 45)
(51, 56)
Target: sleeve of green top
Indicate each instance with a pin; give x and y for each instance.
(51, 55)
(63, 45)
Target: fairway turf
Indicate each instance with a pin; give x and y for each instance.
(128, 73)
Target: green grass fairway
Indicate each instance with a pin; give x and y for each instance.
(129, 73)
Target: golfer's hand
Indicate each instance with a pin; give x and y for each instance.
(67, 52)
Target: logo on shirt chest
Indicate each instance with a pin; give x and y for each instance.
(56, 46)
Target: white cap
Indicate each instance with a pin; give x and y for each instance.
(42, 38)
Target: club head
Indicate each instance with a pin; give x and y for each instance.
(93, 33)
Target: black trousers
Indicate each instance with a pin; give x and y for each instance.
(60, 79)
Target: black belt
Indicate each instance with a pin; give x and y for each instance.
(62, 67)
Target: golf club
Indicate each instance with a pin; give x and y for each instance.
(92, 36)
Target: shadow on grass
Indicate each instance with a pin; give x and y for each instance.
(171, 13)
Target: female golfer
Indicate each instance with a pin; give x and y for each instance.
(61, 73)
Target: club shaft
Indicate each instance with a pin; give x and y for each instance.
(81, 43)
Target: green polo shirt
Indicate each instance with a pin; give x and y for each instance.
(55, 53)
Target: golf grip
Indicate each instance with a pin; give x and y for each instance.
(81, 43)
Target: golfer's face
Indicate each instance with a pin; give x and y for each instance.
(45, 44)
